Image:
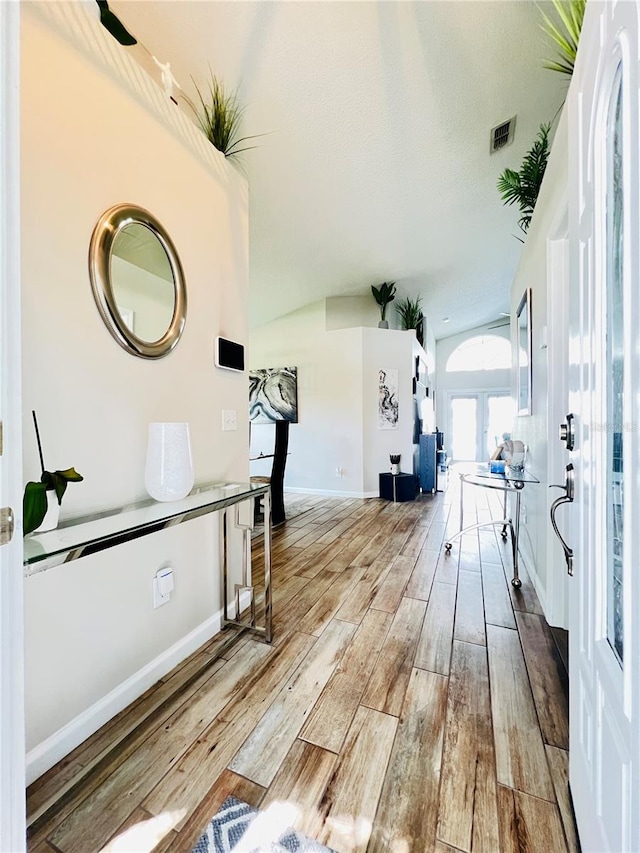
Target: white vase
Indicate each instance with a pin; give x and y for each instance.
(169, 472)
(52, 515)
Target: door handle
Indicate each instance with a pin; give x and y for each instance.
(568, 432)
(569, 490)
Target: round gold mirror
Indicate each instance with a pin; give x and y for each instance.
(137, 281)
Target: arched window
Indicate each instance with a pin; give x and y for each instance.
(482, 352)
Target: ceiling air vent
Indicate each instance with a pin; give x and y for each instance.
(502, 134)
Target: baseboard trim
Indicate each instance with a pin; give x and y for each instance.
(72, 734)
(331, 493)
(529, 565)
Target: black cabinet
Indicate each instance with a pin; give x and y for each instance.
(432, 463)
(427, 463)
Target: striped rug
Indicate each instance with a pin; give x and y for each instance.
(240, 828)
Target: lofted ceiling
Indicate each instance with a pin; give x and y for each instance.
(375, 162)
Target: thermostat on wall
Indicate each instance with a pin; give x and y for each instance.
(229, 354)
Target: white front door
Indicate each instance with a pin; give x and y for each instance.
(12, 748)
(604, 390)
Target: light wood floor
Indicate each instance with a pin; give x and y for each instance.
(411, 701)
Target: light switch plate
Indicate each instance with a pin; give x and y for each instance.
(229, 420)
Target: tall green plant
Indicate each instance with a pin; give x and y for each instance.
(564, 33)
(219, 114)
(410, 312)
(522, 187)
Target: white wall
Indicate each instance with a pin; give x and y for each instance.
(384, 348)
(328, 434)
(346, 312)
(92, 136)
(542, 554)
(473, 380)
(337, 401)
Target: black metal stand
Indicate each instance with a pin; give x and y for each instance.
(277, 472)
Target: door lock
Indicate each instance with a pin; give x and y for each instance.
(569, 491)
(7, 524)
(568, 432)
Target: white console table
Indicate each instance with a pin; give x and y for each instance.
(81, 537)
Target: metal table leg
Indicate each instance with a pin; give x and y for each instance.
(267, 566)
(506, 522)
(504, 514)
(515, 539)
(246, 586)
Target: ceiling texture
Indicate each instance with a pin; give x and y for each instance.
(375, 161)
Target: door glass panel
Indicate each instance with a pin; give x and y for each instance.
(499, 420)
(615, 369)
(464, 428)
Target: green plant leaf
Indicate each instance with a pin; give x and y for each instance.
(410, 312)
(522, 188)
(219, 114)
(71, 475)
(564, 32)
(57, 481)
(384, 295)
(560, 67)
(34, 506)
(388, 290)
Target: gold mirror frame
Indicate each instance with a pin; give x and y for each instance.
(103, 238)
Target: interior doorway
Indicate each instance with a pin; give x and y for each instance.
(476, 422)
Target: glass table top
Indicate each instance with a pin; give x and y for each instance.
(81, 536)
(511, 475)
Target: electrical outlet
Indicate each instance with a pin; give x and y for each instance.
(339, 472)
(229, 420)
(523, 514)
(162, 587)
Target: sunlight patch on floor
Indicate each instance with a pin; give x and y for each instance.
(348, 832)
(269, 825)
(146, 835)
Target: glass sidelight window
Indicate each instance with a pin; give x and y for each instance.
(615, 370)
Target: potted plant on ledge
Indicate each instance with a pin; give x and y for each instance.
(411, 317)
(42, 500)
(383, 295)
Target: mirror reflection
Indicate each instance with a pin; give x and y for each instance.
(142, 282)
